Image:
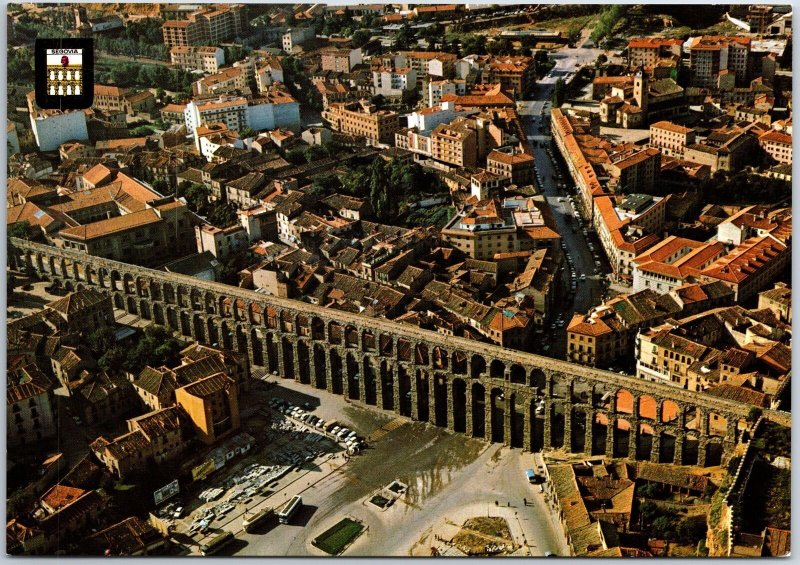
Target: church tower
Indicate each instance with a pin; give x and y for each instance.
(640, 93)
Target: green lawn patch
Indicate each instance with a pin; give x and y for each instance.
(334, 540)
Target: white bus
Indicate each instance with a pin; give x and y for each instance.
(289, 509)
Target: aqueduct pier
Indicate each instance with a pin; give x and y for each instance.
(481, 390)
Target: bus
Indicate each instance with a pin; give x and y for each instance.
(290, 509)
(249, 523)
(217, 543)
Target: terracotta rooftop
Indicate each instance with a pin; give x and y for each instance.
(746, 260)
(158, 423)
(509, 159)
(669, 126)
(60, 496)
(128, 537)
(111, 226)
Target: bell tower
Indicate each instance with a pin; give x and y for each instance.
(640, 93)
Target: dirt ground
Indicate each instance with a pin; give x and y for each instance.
(485, 536)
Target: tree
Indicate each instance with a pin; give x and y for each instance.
(360, 38)
(663, 527)
(502, 46)
(605, 24)
(691, 531)
(403, 38)
(296, 155)
(378, 100)
(20, 65)
(234, 53)
(315, 153)
(100, 340)
(558, 93)
(649, 490)
(473, 45)
(155, 348)
(754, 414)
(20, 230)
(161, 186)
(231, 267)
(222, 215)
(324, 185)
(112, 360)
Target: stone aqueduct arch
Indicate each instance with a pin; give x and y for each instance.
(481, 390)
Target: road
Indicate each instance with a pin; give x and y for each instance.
(450, 478)
(128, 59)
(535, 115)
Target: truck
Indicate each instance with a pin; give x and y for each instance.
(531, 476)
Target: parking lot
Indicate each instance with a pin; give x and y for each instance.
(441, 474)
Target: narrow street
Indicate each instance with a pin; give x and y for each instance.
(535, 115)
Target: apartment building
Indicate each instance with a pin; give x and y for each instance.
(178, 33)
(455, 144)
(220, 242)
(670, 138)
(626, 227)
(228, 110)
(207, 59)
(295, 36)
(779, 300)
(647, 51)
(267, 73)
(515, 74)
(52, 128)
(438, 88)
(605, 336)
(597, 340)
(83, 311)
(210, 25)
(155, 437)
(30, 399)
(635, 170)
(665, 356)
(564, 130)
(727, 149)
(340, 60)
(223, 22)
(364, 120)
(486, 228)
(672, 262)
(428, 63)
(778, 145)
(393, 82)
(228, 81)
(755, 221)
(514, 165)
(711, 55)
(270, 110)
